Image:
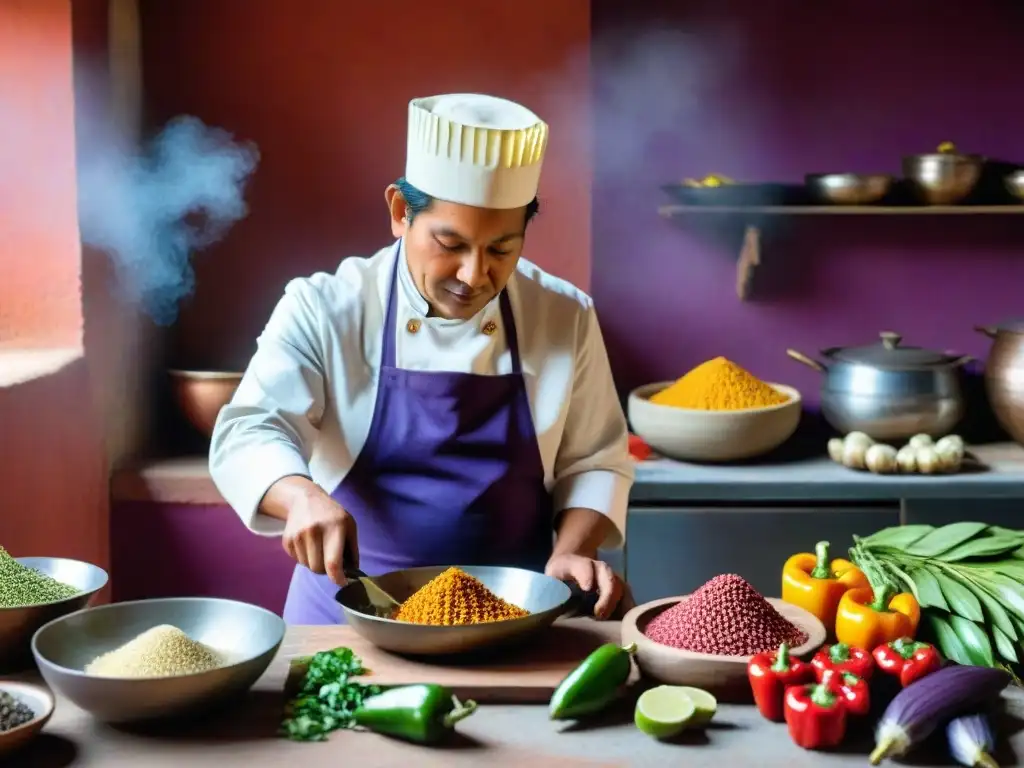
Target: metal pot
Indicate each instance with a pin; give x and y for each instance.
(889, 391)
(1004, 376)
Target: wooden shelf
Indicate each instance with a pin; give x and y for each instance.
(668, 211)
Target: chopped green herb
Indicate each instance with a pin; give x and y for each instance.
(328, 697)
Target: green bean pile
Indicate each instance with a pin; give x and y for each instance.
(21, 586)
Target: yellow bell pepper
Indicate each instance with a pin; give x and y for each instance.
(817, 585)
(875, 615)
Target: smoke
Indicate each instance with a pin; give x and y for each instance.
(151, 208)
(661, 85)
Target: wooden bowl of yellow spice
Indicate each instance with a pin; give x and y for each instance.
(717, 412)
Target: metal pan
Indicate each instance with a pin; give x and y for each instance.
(544, 597)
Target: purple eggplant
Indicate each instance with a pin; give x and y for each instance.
(971, 741)
(922, 706)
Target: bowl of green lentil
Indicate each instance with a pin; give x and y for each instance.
(36, 590)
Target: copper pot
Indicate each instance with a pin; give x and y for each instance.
(201, 394)
(1004, 376)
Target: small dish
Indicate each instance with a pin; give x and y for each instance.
(39, 700)
(723, 676)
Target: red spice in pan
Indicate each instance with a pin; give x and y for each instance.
(725, 617)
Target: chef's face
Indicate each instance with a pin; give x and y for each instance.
(460, 257)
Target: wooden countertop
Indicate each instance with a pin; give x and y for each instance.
(497, 735)
(186, 480)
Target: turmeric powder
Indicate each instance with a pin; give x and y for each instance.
(719, 385)
(454, 598)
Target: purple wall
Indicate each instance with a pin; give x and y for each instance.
(767, 92)
(170, 550)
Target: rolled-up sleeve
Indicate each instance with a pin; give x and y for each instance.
(593, 468)
(268, 429)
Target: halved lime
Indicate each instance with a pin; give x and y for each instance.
(706, 705)
(663, 712)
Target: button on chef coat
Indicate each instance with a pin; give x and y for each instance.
(306, 401)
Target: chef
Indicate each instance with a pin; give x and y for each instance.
(443, 402)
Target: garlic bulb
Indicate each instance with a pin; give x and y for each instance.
(859, 438)
(952, 443)
(921, 441)
(951, 453)
(906, 459)
(928, 462)
(854, 454)
(835, 450)
(881, 459)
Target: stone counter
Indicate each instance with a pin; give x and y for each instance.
(186, 480)
(1000, 475)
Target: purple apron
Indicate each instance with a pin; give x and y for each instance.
(450, 474)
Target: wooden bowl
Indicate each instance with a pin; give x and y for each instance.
(39, 700)
(724, 676)
(201, 394)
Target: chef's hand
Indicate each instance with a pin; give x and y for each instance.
(590, 575)
(320, 534)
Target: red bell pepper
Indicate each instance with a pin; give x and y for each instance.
(843, 658)
(853, 690)
(907, 659)
(815, 715)
(770, 673)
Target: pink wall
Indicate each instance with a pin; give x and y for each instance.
(53, 472)
(769, 92)
(40, 295)
(323, 92)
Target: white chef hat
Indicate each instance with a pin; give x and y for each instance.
(475, 150)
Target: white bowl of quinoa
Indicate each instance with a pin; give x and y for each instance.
(36, 590)
(164, 658)
(705, 639)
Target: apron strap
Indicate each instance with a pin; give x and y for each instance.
(388, 352)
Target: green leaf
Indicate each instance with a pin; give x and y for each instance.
(1005, 646)
(961, 600)
(947, 639)
(1008, 591)
(995, 614)
(896, 537)
(901, 575)
(982, 546)
(929, 593)
(1008, 567)
(974, 640)
(944, 539)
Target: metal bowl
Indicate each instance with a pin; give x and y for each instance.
(17, 625)
(201, 394)
(248, 635)
(943, 178)
(1015, 184)
(544, 597)
(849, 188)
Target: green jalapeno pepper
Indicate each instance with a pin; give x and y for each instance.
(424, 714)
(594, 684)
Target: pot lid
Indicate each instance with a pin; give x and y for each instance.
(889, 352)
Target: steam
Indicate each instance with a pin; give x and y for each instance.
(151, 208)
(662, 85)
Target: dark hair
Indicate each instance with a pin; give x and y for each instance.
(418, 201)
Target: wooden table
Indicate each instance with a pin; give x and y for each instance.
(497, 735)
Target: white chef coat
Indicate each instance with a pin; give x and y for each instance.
(306, 401)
